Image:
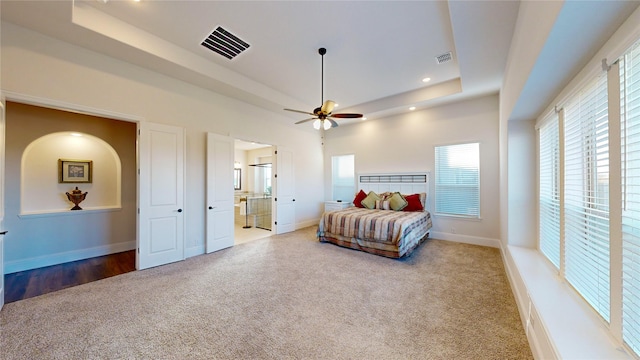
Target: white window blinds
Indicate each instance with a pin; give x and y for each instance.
(630, 141)
(457, 180)
(586, 194)
(549, 193)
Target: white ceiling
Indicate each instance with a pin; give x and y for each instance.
(378, 52)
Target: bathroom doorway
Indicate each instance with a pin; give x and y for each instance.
(253, 217)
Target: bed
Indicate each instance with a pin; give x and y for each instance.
(381, 228)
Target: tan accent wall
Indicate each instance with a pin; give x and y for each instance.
(36, 241)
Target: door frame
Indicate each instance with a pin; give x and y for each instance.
(2, 171)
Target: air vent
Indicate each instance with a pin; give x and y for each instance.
(225, 43)
(444, 58)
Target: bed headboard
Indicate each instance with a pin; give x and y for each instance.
(405, 183)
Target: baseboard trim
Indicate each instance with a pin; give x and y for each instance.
(466, 239)
(60, 258)
(307, 223)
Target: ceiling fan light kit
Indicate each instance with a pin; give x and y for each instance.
(323, 115)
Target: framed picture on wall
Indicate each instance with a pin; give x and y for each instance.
(75, 171)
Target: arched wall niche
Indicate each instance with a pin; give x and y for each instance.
(41, 192)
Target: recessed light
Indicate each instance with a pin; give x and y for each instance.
(426, 79)
(412, 108)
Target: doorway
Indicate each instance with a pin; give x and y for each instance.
(42, 241)
(253, 216)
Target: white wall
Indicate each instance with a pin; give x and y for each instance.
(405, 143)
(535, 21)
(522, 193)
(43, 67)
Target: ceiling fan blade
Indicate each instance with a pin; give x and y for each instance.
(300, 111)
(304, 121)
(346, 116)
(333, 123)
(328, 106)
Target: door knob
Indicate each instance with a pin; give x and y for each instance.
(179, 210)
(211, 208)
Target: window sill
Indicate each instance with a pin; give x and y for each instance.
(52, 213)
(457, 217)
(558, 323)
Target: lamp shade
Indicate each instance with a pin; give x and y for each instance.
(316, 124)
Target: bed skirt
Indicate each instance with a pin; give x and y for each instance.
(386, 250)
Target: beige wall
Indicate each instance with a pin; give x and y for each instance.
(405, 143)
(49, 238)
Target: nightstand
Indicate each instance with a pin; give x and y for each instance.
(334, 205)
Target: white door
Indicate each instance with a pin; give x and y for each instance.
(284, 197)
(161, 189)
(220, 156)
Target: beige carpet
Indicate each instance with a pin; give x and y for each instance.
(283, 297)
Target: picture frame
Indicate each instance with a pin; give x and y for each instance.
(75, 171)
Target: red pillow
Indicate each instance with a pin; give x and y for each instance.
(414, 203)
(359, 197)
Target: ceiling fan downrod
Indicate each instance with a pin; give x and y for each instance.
(322, 51)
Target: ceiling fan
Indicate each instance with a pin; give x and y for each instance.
(323, 115)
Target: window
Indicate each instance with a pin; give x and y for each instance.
(549, 193)
(630, 158)
(586, 194)
(457, 180)
(343, 177)
(598, 249)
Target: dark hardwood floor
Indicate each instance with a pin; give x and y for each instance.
(29, 283)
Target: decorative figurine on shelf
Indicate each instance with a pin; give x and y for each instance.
(76, 196)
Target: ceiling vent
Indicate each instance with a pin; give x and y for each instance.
(446, 57)
(225, 43)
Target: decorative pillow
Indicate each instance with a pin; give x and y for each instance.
(370, 201)
(413, 203)
(423, 200)
(397, 202)
(359, 197)
(383, 205)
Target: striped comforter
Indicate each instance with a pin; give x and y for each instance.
(382, 232)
